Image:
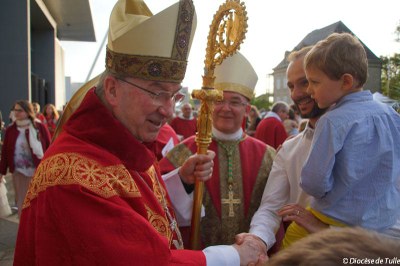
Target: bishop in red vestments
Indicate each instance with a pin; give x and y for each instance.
(97, 197)
(228, 211)
(242, 164)
(108, 203)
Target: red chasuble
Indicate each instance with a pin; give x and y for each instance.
(271, 131)
(251, 164)
(184, 127)
(97, 198)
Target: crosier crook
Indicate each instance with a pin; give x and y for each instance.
(227, 32)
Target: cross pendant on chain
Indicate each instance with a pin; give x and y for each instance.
(230, 200)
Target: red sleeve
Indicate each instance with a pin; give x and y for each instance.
(4, 150)
(8, 149)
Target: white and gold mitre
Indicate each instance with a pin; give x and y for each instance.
(237, 75)
(150, 47)
(144, 46)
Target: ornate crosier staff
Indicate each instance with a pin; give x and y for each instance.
(227, 32)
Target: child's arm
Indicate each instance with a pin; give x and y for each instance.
(316, 176)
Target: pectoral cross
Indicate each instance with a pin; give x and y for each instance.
(230, 200)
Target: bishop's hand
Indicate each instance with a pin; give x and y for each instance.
(251, 252)
(197, 166)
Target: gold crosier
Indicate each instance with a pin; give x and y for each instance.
(227, 32)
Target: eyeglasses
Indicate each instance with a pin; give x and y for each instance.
(18, 110)
(162, 97)
(231, 104)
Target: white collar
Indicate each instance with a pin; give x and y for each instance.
(223, 136)
(184, 118)
(23, 123)
(273, 114)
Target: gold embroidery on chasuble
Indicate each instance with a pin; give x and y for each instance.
(159, 223)
(179, 155)
(158, 190)
(217, 231)
(75, 169)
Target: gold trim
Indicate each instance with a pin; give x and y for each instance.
(227, 32)
(180, 50)
(146, 67)
(228, 86)
(158, 190)
(159, 68)
(178, 155)
(159, 223)
(74, 169)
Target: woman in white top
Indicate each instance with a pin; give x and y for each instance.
(25, 142)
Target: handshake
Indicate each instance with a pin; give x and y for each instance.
(252, 250)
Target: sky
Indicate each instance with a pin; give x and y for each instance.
(274, 26)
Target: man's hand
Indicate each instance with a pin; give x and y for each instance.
(303, 217)
(240, 238)
(251, 249)
(197, 166)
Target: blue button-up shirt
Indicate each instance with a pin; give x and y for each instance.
(353, 169)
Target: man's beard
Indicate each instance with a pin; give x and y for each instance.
(315, 112)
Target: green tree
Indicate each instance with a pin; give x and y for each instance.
(391, 76)
(391, 72)
(262, 102)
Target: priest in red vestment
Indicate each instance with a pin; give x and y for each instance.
(185, 125)
(271, 130)
(241, 166)
(97, 197)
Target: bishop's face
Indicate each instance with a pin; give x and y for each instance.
(138, 109)
(229, 113)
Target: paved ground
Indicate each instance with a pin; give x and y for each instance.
(8, 230)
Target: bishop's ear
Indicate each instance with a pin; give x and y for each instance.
(110, 87)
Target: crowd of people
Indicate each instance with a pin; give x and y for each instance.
(26, 138)
(310, 183)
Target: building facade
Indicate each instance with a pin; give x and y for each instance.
(281, 91)
(31, 57)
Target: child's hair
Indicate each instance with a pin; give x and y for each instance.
(338, 247)
(339, 54)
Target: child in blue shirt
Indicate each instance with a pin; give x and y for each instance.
(353, 169)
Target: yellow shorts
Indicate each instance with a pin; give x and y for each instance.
(295, 232)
